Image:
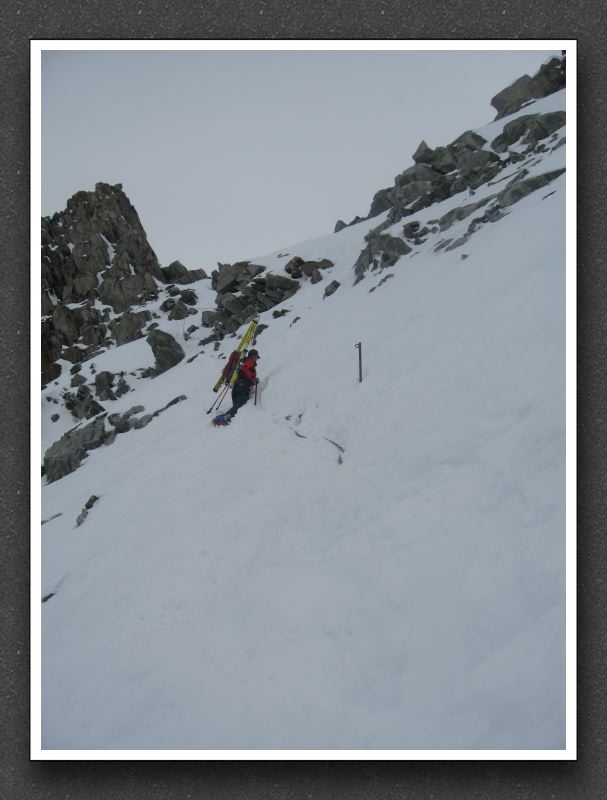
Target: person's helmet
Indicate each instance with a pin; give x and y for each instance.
(253, 354)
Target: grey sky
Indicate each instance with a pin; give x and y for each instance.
(231, 155)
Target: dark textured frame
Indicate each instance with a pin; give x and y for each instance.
(301, 19)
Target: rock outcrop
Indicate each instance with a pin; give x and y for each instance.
(464, 165)
(167, 351)
(96, 252)
(549, 79)
(242, 292)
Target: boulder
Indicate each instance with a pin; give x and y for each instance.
(179, 311)
(177, 273)
(295, 263)
(103, 385)
(82, 404)
(331, 288)
(129, 326)
(423, 154)
(189, 297)
(167, 351)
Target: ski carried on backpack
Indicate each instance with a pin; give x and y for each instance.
(230, 371)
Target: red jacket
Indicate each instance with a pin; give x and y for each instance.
(247, 370)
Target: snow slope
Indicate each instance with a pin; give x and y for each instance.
(349, 565)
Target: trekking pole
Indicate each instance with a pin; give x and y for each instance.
(360, 361)
(219, 399)
(255, 403)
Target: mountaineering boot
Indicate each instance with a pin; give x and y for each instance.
(222, 419)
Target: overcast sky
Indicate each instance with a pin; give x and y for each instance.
(232, 155)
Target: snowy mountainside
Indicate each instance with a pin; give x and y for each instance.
(360, 565)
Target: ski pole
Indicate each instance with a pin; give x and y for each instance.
(219, 399)
(255, 403)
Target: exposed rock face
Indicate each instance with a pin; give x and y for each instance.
(129, 326)
(99, 232)
(465, 164)
(528, 130)
(167, 351)
(65, 455)
(242, 293)
(82, 404)
(549, 79)
(381, 251)
(96, 249)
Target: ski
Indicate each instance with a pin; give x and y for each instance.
(230, 371)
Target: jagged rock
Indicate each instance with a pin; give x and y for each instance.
(122, 291)
(122, 388)
(129, 326)
(418, 172)
(549, 79)
(521, 189)
(294, 264)
(423, 154)
(124, 422)
(340, 224)
(103, 385)
(189, 297)
(287, 286)
(308, 268)
(461, 212)
(331, 289)
(87, 507)
(209, 318)
(168, 304)
(166, 350)
(75, 354)
(143, 421)
(277, 314)
(412, 231)
(82, 404)
(382, 250)
(530, 128)
(94, 335)
(77, 380)
(382, 201)
(97, 231)
(230, 277)
(64, 325)
(66, 455)
(179, 311)
(177, 273)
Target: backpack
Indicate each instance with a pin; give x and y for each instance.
(231, 365)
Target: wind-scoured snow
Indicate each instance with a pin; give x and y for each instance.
(348, 565)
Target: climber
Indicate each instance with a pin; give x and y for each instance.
(241, 391)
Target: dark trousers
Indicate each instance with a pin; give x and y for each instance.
(241, 391)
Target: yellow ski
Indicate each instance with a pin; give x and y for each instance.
(228, 377)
